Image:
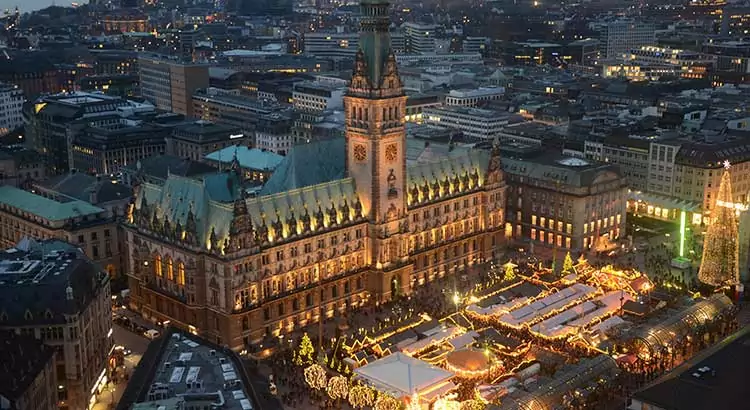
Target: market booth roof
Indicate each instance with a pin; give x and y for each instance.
(402, 376)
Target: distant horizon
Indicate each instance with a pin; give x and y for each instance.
(34, 5)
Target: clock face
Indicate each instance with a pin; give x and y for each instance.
(391, 152)
(360, 153)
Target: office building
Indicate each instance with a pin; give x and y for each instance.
(338, 223)
(50, 291)
(274, 133)
(51, 120)
(622, 36)
(197, 139)
(20, 166)
(331, 45)
(230, 107)
(318, 96)
(475, 97)
(476, 45)
(169, 83)
(11, 108)
(91, 228)
(419, 38)
(475, 123)
(27, 373)
(564, 203)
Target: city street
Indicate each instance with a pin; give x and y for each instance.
(137, 344)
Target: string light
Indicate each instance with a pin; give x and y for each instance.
(720, 263)
(472, 405)
(315, 377)
(361, 396)
(386, 402)
(447, 402)
(338, 387)
(305, 353)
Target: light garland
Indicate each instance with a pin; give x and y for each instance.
(447, 402)
(315, 377)
(361, 396)
(386, 402)
(338, 387)
(472, 405)
(720, 263)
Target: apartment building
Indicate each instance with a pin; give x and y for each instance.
(420, 38)
(619, 37)
(318, 96)
(52, 292)
(169, 83)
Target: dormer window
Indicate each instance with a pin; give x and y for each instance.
(28, 315)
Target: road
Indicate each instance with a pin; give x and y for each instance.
(137, 345)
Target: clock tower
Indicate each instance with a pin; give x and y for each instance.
(375, 106)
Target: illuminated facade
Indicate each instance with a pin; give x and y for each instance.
(238, 269)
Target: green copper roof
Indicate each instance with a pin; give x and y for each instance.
(44, 207)
(375, 39)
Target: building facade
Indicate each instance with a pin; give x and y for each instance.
(338, 224)
(27, 373)
(91, 228)
(196, 140)
(566, 204)
(229, 107)
(52, 292)
(11, 108)
(169, 83)
(621, 36)
(473, 122)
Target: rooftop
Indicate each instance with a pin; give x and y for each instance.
(161, 166)
(249, 158)
(81, 186)
(46, 208)
(55, 269)
(716, 378)
(186, 368)
(22, 358)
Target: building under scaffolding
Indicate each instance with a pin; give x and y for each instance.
(549, 396)
(680, 325)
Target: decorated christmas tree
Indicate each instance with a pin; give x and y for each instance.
(720, 261)
(568, 264)
(305, 351)
(510, 273)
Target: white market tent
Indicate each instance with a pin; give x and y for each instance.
(404, 376)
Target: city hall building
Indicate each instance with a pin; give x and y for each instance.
(339, 223)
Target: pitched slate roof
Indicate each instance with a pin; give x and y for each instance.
(80, 186)
(248, 158)
(22, 358)
(307, 165)
(44, 207)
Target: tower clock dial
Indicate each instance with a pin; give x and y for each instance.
(391, 152)
(360, 153)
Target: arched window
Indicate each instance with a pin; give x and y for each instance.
(170, 269)
(157, 265)
(180, 273)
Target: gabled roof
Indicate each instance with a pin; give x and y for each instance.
(81, 186)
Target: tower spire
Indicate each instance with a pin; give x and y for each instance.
(375, 64)
(720, 263)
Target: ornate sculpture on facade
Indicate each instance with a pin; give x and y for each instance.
(292, 223)
(214, 240)
(143, 217)
(241, 229)
(358, 209)
(345, 212)
(493, 168)
(178, 231)
(261, 235)
(306, 221)
(319, 218)
(191, 229)
(392, 191)
(278, 227)
(155, 223)
(359, 75)
(332, 219)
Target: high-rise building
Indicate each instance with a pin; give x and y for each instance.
(419, 38)
(170, 82)
(50, 291)
(339, 223)
(11, 108)
(619, 37)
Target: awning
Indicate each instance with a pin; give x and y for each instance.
(664, 201)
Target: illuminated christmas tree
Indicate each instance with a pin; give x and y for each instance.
(720, 247)
(568, 264)
(305, 352)
(510, 273)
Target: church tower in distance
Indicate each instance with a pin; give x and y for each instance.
(375, 106)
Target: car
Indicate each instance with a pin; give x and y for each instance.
(151, 334)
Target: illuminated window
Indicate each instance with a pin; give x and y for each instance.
(559, 240)
(170, 270)
(559, 226)
(543, 221)
(181, 273)
(567, 243)
(533, 234)
(157, 265)
(569, 227)
(585, 228)
(533, 219)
